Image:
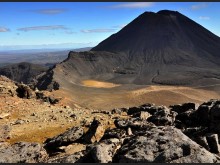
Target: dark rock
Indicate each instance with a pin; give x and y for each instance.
(39, 95)
(215, 118)
(163, 145)
(22, 152)
(187, 118)
(145, 108)
(25, 91)
(212, 140)
(66, 138)
(182, 107)
(114, 133)
(163, 117)
(201, 140)
(53, 100)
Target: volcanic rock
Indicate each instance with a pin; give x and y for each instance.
(163, 144)
(22, 152)
(66, 138)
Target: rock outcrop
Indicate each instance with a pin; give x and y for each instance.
(167, 135)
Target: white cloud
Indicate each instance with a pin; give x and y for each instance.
(52, 27)
(199, 6)
(204, 18)
(98, 30)
(133, 5)
(3, 29)
(50, 11)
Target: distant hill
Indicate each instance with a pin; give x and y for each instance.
(22, 72)
(38, 56)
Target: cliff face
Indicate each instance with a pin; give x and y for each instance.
(22, 72)
(155, 48)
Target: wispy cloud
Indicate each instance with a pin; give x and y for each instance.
(52, 27)
(50, 11)
(98, 30)
(69, 32)
(133, 5)
(204, 18)
(119, 26)
(199, 6)
(4, 29)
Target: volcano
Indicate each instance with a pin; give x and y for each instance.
(155, 48)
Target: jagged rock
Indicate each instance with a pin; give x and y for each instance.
(95, 132)
(215, 118)
(163, 117)
(114, 133)
(212, 140)
(66, 138)
(182, 107)
(105, 150)
(25, 91)
(163, 145)
(4, 132)
(22, 152)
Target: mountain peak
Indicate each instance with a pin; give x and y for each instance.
(167, 12)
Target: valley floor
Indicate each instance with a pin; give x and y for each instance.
(105, 95)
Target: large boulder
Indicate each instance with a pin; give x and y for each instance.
(22, 152)
(66, 138)
(163, 145)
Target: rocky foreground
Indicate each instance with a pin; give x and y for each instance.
(184, 133)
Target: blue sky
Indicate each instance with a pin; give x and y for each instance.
(33, 25)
